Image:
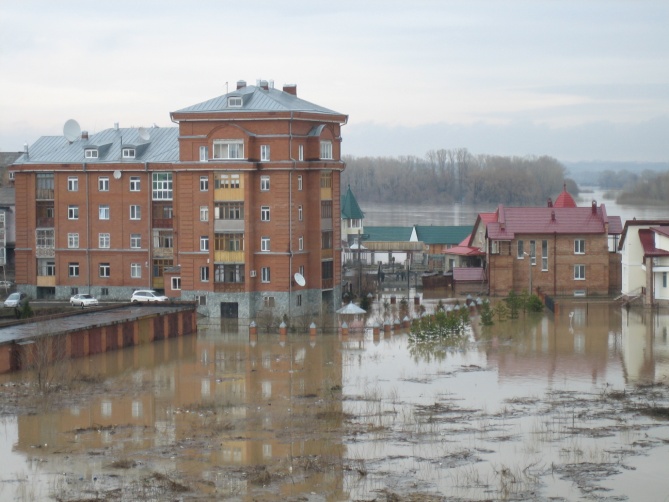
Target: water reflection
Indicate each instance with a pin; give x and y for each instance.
(311, 413)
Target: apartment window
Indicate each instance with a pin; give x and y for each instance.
(235, 102)
(176, 283)
(326, 180)
(264, 274)
(579, 246)
(204, 274)
(300, 243)
(73, 241)
(72, 184)
(301, 270)
(299, 213)
(299, 183)
(103, 184)
(204, 243)
(229, 211)
(227, 181)
(579, 272)
(135, 212)
(204, 154)
(229, 273)
(44, 186)
(74, 291)
(104, 270)
(164, 239)
(204, 213)
(134, 184)
(136, 270)
(521, 250)
(533, 252)
(298, 301)
(73, 269)
(72, 212)
(264, 153)
(91, 153)
(264, 244)
(544, 255)
(300, 152)
(229, 242)
(264, 183)
(264, 213)
(128, 153)
(103, 212)
(327, 270)
(664, 279)
(135, 241)
(326, 209)
(229, 149)
(326, 240)
(46, 237)
(104, 241)
(204, 183)
(201, 300)
(326, 150)
(162, 186)
(268, 302)
(46, 268)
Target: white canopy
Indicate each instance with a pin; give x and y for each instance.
(351, 308)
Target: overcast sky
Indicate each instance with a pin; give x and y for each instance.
(577, 80)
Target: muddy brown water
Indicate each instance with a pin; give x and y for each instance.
(539, 408)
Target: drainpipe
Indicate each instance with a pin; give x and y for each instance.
(290, 214)
(149, 223)
(554, 264)
(88, 232)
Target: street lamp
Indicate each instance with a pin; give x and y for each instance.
(529, 261)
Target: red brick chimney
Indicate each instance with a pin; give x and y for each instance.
(241, 84)
(290, 89)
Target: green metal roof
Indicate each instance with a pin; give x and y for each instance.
(388, 234)
(350, 210)
(442, 235)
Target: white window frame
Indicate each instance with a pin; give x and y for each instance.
(300, 152)
(73, 241)
(299, 213)
(299, 183)
(264, 153)
(103, 184)
(135, 183)
(176, 283)
(228, 149)
(235, 101)
(326, 150)
(136, 270)
(162, 187)
(265, 275)
(264, 244)
(128, 153)
(135, 241)
(521, 249)
(73, 269)
(103, 211)
(104, 270)
(91, 153)
(72, 212)
(204, 183)
(204, 153)
(135, 212)
(264, 213)
(544, 255)
(104, 240)
(579, 272)
(204, 243)
(300, 243)
(204, 274)
(264, 183)
(204, 213)
(73, 184)
(579, 246)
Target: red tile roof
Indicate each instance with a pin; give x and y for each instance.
(647, 239)
(564, 199)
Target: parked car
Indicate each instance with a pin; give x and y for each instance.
(16, 299)
(83, 300)
(147, 295)
(6, 284)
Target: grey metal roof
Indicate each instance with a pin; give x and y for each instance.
(257, 99)
(162, 146)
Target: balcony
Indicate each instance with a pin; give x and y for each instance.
(45, 222)
(46, 280)
(228, 225)
(158, 283)
(229, 287)
(327, 283)
(326, 224)
(326, 193)
(163, 253)
(162, 223)
(326, 254)
(44, 194)
(229, 256)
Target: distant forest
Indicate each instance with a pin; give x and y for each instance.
(648, 187)
(447, 176)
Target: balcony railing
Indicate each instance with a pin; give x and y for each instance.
(229, 256)
(44, 194)
(327, 283)
(45, 222)
(46, 280)
(163, 252)
(162, 222)
(229, 287)
(326, 253)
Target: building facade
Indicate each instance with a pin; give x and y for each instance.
(224, 209)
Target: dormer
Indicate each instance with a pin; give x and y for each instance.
(128, 152)
(91, 153)
(235, 101)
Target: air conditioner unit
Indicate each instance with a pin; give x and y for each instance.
(253, 273)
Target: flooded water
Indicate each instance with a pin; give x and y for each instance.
(543, 407)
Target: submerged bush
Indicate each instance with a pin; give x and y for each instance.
(444, 326)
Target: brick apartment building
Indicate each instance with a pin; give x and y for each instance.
(560, 249)
(224, 209)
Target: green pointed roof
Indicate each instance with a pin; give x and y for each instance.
(350, 210)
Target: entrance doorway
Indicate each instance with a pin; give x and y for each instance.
(229, 310)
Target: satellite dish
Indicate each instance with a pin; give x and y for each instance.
(144, 133)
(117, 175)
(299, 279)
(71, 130)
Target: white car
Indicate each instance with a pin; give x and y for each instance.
(83, 300)
(16, 299)
(147, 295)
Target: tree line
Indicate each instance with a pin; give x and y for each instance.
(448, 176)
(650, 187)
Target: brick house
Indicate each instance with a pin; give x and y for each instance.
(223, 209)
(559, 250)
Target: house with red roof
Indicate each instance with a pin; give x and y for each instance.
(644, 249)
(560, 249)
